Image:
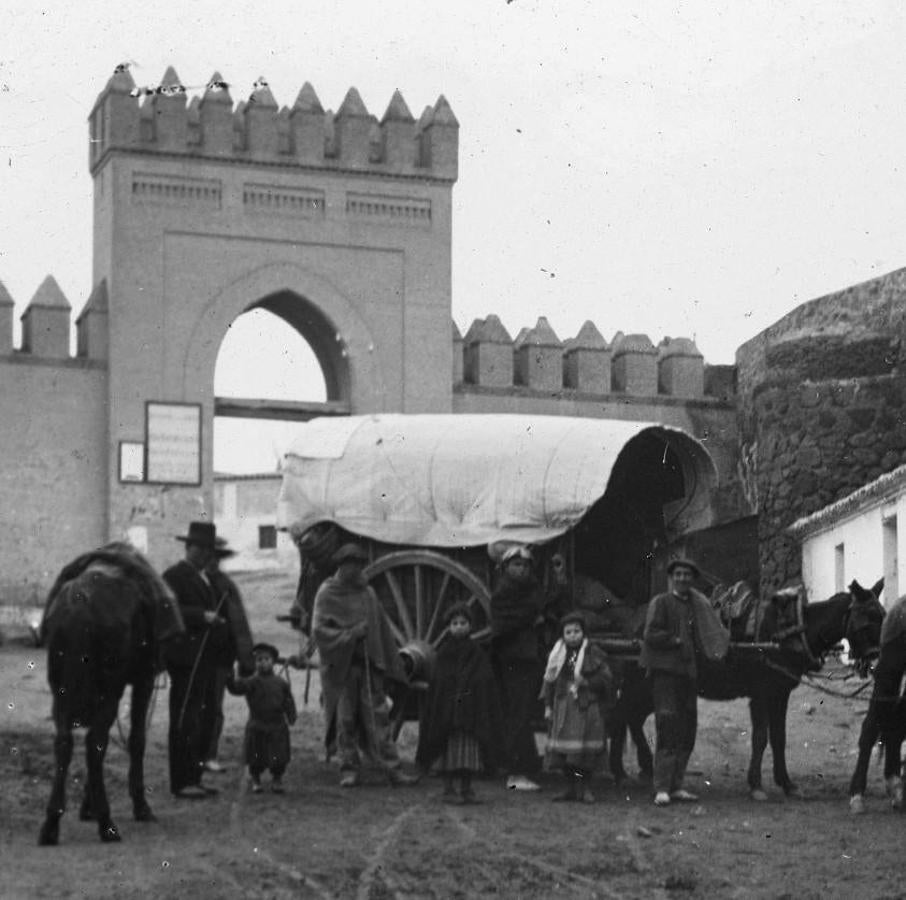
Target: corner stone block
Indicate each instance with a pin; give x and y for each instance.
(262, 138)
(681, 368)
(398, 129)
(587, 370)
(538, 358)
(352, 126)
(169, 114)
(458, 353)
(6, 321)
(634, 365)
(45, 322)
(587, 363)
(216, 117)
(488, 354)
(92, 337)
(306, 122)
(440, 141)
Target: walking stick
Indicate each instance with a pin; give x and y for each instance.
(192, 674)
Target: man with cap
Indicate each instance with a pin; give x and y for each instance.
(357, 653)
(234, 644)
(679, 625)
(191, 662)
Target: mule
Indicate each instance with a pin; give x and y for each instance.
(886, 714)
(804, 633)
(104, 623)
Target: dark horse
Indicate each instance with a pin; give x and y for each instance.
(886, 715)
(804, 633)
(104, 621)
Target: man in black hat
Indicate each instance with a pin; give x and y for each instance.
(668, 653)
(235, 644)
(191, 662)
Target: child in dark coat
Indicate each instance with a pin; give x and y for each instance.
(272, 710)
(577, 686)
(460, 726)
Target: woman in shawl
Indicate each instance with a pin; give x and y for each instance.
(460, 726)
(577, 686)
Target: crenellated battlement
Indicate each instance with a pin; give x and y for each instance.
(630, 364)
(164, 120)
(47, 323)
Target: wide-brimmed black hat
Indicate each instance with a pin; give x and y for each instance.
(683, 561)
(202, 533)
(222, 550)
(349, 551)
(266, 648)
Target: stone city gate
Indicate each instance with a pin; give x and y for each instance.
(340, 224)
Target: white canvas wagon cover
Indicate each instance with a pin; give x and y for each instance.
(466, 480)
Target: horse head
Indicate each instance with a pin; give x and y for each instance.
(863, 627)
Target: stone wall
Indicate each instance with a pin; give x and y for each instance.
(822, 410)
(53, 449)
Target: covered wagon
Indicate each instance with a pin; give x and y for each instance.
(436, 499)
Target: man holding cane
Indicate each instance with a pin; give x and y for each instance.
(191, 663)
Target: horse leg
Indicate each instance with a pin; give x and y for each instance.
(892, 737)
(142, 690)
(868, 736)
(777, 710)
(49, 836)
(759, 717)
(95, 751)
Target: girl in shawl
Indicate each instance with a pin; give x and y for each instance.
(460, 725)
(577, 685)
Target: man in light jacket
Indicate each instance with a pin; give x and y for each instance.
(679, 624)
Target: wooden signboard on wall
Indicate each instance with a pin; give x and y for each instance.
(173, 443)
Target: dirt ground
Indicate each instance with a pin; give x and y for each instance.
(374, 841)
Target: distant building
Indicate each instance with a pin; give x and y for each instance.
(245, 509)
(861, 536)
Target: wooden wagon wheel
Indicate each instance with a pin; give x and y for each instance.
(416, 588)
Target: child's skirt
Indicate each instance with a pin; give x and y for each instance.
(462, 753)
(576, 736)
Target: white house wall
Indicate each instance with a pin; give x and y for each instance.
(862, 537)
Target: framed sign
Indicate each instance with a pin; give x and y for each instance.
(132, 461)
(173, 443)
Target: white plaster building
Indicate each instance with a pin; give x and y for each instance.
(861, 536)
(245, 511)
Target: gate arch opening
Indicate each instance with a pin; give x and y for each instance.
(280, 362)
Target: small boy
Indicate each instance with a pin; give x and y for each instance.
(271, 711)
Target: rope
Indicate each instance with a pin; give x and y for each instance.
(846, 695)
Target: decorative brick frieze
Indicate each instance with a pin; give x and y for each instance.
(174, 190)
(385, 209)
(284, 201)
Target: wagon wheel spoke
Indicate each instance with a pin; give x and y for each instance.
(398, 635)
(400, 602)
(419, 602)
(438, 604)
